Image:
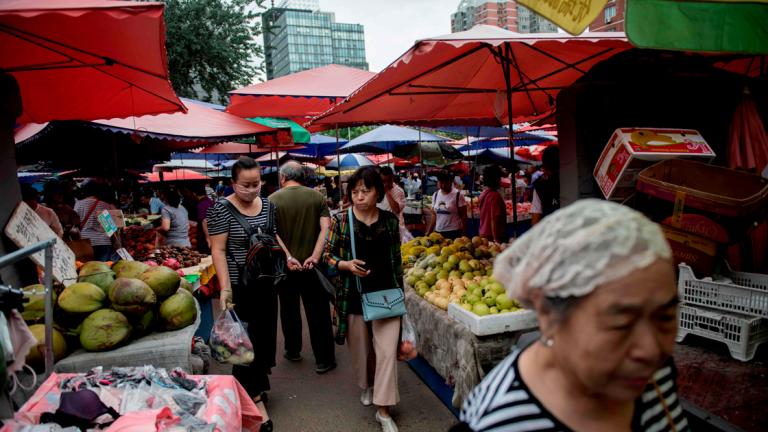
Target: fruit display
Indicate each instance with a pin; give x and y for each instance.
(460, 274)
(523, 209)
(173, 257)
(434, 244)
(139, 299)
(36, 356)
(138, 241)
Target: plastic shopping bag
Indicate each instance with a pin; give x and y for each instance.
(407, 348)
(229, 341)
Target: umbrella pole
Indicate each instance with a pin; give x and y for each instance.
(338, 164)
(506, 68)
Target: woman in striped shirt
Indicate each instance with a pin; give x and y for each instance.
(600, 278)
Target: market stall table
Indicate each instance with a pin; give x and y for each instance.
(460, 357)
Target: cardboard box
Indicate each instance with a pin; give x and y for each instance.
(698, 252)
(630, 150)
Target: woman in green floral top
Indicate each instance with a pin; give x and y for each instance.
(379, 267)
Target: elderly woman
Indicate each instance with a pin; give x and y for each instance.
(600, 277)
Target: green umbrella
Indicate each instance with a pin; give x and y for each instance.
(731, 26)
(300, 135)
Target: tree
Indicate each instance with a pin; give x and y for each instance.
(212, 45)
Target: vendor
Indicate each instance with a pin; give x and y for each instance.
(174, 222)
(31, 196)
(601, 280)
(493, 210)
(546, 188)
(449, 209)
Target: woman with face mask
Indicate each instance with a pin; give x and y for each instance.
(255, 305)
(601, 280)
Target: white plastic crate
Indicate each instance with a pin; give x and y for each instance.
(741, 333)
(747, 295)
(522, 319)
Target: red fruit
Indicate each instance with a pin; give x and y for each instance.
(172, 263)
(150, 263)
(180, 272)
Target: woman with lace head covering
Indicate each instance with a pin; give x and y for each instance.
(601, 280)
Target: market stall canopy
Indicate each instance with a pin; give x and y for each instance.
(521, 139)
(300, 135)
(707, 26)
(175, 175)
(240, 148)
(385, 139)
(86, 59)
(299, 96)
(429, 153)
(195, 164)
(198, 125)
(462, 78)
(500, 156)
(349, 161)
(28, 132)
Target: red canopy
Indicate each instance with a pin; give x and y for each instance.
(461, 78)
(176, 175)
(298, 96)
(198, 124)
(86, 59)
(240, 148)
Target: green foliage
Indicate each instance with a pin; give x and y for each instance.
(212, 44)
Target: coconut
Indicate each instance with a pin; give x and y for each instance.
(178, 311)
(82, 297)
(143, 324)
(129, 269)
(162, 280)
(131, 296)
(36, 355)
(97, 273)
(104, 330)
(34, 309)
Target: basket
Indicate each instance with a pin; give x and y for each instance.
(741, 333)
(749, 297)
(710, 188)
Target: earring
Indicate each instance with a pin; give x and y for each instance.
(547, 341)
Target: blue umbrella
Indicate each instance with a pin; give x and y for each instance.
(476, 131)
(320, 146)
(349, 161)
(521, 139)
(384, 139)
(494, 156)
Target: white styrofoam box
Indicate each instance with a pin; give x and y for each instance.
(741, 333)
(522, 319)
(748, 294)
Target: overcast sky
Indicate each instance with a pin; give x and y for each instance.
(391, 26)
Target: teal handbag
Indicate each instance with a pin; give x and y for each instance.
(388, 303)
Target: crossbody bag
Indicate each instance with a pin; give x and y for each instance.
(387, 303)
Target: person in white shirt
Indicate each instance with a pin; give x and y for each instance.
(449, 208)
(394, 196)
(31, 196)
(413, 185)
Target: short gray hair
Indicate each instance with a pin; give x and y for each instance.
(293, 171)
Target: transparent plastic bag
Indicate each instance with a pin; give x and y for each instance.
(229, 340)
(406, 350)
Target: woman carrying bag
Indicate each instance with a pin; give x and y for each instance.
(364, 247)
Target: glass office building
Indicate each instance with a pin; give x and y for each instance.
(299, 39)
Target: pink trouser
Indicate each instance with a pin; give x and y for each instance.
(375, 367)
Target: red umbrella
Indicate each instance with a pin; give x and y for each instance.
(298, 96)
(465, 78)
(176, 175)
(241, 148)
(748, 143)
(86, 59)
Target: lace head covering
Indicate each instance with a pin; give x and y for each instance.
(574, 250)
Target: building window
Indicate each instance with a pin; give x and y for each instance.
(610, 13)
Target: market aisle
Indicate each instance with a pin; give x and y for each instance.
(303, 401)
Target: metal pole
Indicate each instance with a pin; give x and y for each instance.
(49, 309)
(338, 166)
(506, 68)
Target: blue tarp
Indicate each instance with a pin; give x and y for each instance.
(385, 138)
(521, 139)
(320, 146)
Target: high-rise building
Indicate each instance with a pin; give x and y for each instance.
(505, 14)
(301, 39)
(612, 18)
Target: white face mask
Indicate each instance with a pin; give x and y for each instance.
(247, 194)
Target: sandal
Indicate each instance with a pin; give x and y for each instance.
(262, 397)
(266, 426)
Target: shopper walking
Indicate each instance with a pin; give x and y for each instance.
(174, 221)
(378, 265)
(88, 210)
(546, 188)
(394, 195)
(449, 209)
(256, 305)
(303, 220)
(601, 280)
(493, 211)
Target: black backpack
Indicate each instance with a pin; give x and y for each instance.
(265, 260)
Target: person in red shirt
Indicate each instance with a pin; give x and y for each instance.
(493, 211)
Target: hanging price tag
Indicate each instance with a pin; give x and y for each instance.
(124, 254)
(108, 223)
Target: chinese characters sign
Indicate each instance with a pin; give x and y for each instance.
(572, 16)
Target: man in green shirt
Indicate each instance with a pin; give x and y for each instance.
(303, 221)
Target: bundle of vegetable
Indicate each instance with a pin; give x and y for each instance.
(229, 341)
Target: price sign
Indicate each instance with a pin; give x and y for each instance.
(26, 228)
(118, 217)
(108, 223)
(124, 254)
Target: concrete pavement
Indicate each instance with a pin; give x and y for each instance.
(303, 401)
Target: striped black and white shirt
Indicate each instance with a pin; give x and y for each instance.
(503, 402)
(221, 221)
